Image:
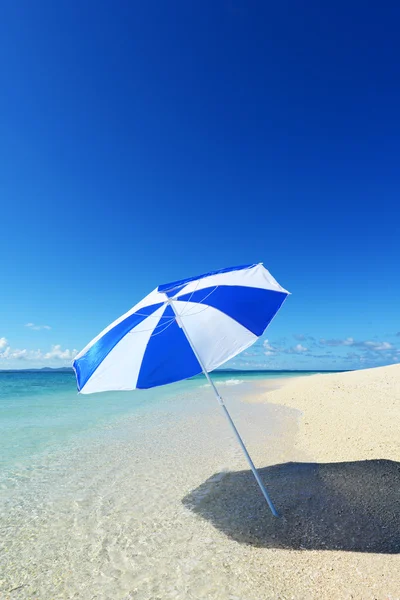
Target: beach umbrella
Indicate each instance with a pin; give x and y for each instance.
(181, 329)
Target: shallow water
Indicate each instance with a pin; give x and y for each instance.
(92, 486)
(41, 412)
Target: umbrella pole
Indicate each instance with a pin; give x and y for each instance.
(228, 416)
(243, 447)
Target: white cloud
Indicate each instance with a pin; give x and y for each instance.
(367, 345)
(3, 343)
(37, 327)
(19, 353)
(347, 342)
(379, 346)
(16, 353)
(58, 353)
(267, 345)
(5, 353)
(346, 350)
(300, 348)
(269, 350)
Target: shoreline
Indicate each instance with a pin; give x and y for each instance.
(161, 504)
(350, 415)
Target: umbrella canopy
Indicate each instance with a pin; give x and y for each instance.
(181, 329)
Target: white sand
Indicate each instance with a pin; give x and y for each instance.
(347, 417)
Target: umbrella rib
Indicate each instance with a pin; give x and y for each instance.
(172, 320)
(191, 295)
(188, 314)
(201, 302)
(152, 316)
(162, 331)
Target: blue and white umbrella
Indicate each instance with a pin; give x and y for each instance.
(181, 329)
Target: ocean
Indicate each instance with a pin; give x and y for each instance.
(41, 412)
(91, 486)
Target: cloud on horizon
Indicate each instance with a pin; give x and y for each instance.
(265, 353)
(55, 354)
(368, 345)
(270, 350)
(347, 352)
(60, 354)
(298, 348)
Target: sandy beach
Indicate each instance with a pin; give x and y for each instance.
(162, 505)
(341, 516)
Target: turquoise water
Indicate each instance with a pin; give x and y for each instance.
(40, 412)
(91, 486)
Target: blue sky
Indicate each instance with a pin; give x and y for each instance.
(143, 142)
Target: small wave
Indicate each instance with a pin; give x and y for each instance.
(227, 382)
(233, 381)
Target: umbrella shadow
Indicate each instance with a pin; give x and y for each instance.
(351, 506)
